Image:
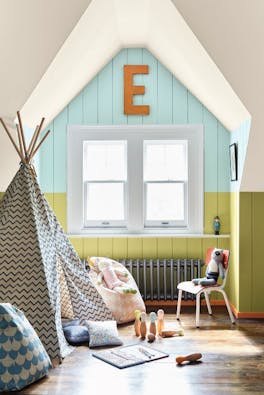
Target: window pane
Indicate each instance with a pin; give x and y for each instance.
(104, 160)
(165, 202)
(165, 160)
(105, 201)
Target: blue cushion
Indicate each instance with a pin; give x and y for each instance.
(70, 323)
(76, 334)
(23, 359)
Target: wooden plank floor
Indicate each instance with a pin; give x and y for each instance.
(232, 363)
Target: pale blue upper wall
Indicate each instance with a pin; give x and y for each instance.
(101, 102)
(240, 137)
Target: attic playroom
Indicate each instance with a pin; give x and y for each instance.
(131, 196)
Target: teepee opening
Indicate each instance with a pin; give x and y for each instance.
(40, 272)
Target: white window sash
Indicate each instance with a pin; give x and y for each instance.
(165, 223)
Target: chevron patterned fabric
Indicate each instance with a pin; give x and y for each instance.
(34, 253)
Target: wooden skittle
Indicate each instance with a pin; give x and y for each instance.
(171, 332)
(190, 358)
(143, 325)
(137, 322)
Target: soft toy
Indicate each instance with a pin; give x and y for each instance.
(113, 277)
(214, 268)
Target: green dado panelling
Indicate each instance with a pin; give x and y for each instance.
(101, 102)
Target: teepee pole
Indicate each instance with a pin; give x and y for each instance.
(20, 141)
(35, 137)
(11, 139)
(38, 146)
(22, 134)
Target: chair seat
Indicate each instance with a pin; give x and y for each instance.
(188, 286)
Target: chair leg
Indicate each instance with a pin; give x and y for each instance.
(197, 310)
(179, 304)
(228, 307)
(208, 303)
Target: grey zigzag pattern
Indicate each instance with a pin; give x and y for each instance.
(33, 251)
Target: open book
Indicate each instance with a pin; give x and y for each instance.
(131, 355)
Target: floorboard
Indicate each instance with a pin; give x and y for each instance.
(232, 362)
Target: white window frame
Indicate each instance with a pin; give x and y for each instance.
(165, 223)
(105, 223)
(135, 136)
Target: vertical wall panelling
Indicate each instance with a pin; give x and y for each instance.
(211, 152)
(118, 88)
(180, 102)
(120, 248)
(149, 247)
(164, 95)
(60, 151)
(151, 87)
(105, 95)
(46, 162)
(257, 251)
(90, 247)
(223, 159)
(245, 251)
(194, 247)
(135, 56)
(134, 247)
(105, 247)
(90, 102)
(179, 247)
(164, 247)
(75, 110)
(195, 109)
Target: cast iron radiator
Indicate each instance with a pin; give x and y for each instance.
(157, 279)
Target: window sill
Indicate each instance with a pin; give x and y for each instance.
(147, 235)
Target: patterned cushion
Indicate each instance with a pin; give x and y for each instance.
(23, 359)
(103, 333)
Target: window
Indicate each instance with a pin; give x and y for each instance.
(135, 179)
(104, 183)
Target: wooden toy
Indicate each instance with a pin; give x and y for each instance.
(152, 326)
(191, 358)
(172, 332)
(143, 325)
(137, 322)
(151, 337)
(160, 323)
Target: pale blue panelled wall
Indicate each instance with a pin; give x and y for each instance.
(101, 102)
(240, 137)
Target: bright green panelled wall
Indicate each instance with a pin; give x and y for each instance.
(251, 214)
(101, 102)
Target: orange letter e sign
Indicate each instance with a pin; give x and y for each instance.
(130, 90)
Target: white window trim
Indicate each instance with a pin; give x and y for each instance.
(76, 134)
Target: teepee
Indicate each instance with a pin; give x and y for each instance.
(40, 272)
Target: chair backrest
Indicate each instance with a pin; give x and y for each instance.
(225, 263)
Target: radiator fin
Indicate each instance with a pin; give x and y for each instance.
(157, 279)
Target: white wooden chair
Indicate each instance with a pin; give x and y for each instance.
(188, 286)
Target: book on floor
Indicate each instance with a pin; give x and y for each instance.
(131, 355)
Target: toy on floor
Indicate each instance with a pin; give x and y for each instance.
(114, 278)
(151, 337)
(172, 332)
(137, 322)
(143, 325)
(214, 269)
(190, 358)
(152, 326)
(160, 323)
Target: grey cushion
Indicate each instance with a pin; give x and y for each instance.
(76, 334)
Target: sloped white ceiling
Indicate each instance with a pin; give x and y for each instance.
(109, 25)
